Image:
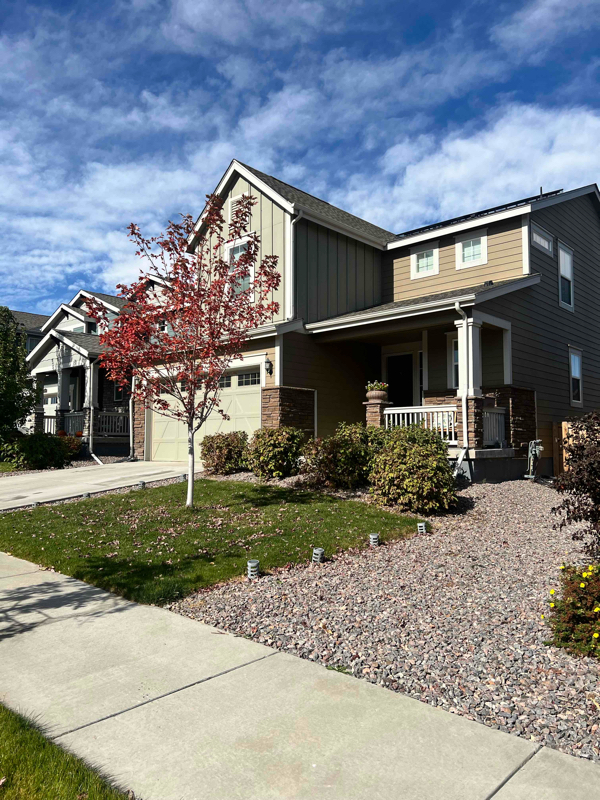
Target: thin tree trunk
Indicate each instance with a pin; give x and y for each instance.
(190, 490)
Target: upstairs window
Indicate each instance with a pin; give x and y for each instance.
(92, 327)
(565, 267)
(119, 393)
(542, 239)
(235, 251)
(424, 261)
(575, 377)
(471, 249)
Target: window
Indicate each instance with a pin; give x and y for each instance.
(565, 264)
(452, 355)
(119, 393)
(249, 378)
(471, 249)
(541, 239)
(162, 325)
(235, 251)
(92, 327)
(50, 401)
(79, 329)
(225, 382)
(424, 261)
(575, 375)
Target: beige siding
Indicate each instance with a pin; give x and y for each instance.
(505, 260)
(542, 331)
(269, 222)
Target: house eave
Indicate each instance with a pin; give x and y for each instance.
(64, 308)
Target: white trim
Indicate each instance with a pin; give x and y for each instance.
(255, 360)
(83, 293)
(228, 247)
(459, 226)
(535, 228)
(451, 337)
(525, 244)
(576, 403)
(288, 267)
(278, 360)
(490, 319)
(416, 251)
(458, 248)
(568, 306)
(66, 310)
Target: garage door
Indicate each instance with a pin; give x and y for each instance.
(240, 399)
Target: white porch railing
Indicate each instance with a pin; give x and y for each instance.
(49, 424)
(439, 418)
(73, 422)
(112, 423)
(494, 433)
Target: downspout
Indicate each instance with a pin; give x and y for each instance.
(465, 391)
(131, 455)
(293, 264)
(91, 439)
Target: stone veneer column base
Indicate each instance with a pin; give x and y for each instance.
(139, 430)
(288, 406)
(374, 412)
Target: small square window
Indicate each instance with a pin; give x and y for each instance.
(575, 377)
(424, 261)
(471, 249)
(249, 378)
(542, 239)
(79, 329)
(225, 382)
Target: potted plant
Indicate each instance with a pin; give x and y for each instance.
(377, 391)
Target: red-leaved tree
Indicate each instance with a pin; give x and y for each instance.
(189, 315)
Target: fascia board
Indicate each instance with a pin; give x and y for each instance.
(83, 293)
(37, 350)
(592, 188)
(65, 340)
(62, 309)
(498, 291)
(460, 226)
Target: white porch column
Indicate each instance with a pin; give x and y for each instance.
(463, 359)
(474, 345)
(91, 385)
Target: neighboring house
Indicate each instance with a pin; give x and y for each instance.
(494, 312)
(77, 397)
(32, 325)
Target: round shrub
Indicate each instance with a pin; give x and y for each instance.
(344, 460)
(275, 452)
(37, 451)
(412, 471)
(225, 453)
(575, 615)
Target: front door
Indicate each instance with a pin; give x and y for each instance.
(400, 379)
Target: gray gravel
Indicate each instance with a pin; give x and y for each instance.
(452, 618)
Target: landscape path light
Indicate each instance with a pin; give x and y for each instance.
(421, 527)
(318, 555)
(374, 539)
(253, 564)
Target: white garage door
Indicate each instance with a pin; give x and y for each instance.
(240, 399)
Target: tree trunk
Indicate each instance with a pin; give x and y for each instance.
(190, 490)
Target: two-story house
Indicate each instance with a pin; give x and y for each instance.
(76, 396)
(490, 318)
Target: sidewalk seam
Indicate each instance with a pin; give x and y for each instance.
(162, 696)
(18, 575)
(513, 773)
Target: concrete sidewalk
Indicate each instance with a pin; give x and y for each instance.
(176, 710)
(43, 487)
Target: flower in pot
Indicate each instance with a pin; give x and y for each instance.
(377, 391)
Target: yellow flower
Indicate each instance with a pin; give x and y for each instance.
(582, 585)
(596, 635)
(597, 609)
(551, 591)
(542, 616)
(563, 566)
(551, 605)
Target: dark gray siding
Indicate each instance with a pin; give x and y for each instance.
(542, 331)
(335, 274)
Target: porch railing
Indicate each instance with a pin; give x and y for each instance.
(49, 424)
(112, 423)
(494, 429)
(438, 418)
(73, 422)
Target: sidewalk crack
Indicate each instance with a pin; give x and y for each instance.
(513, 773)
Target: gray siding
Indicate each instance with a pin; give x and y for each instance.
(335, 274)
(542, 331)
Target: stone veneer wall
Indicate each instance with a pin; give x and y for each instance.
(288, 406)
(139, 429)
(474, 415)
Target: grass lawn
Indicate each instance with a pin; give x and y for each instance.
(5, 466)
(34, 768)
(148, 547)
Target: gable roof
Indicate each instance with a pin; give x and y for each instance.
(86, 341)
(31, 322)
(326, 211)
(112, 299)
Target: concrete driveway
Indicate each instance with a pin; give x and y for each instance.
(23, 490)
(177, 710)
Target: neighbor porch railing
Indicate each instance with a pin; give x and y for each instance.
(49, 424)
(73, 422)
(438, 418)
(112, 423)
(494, 428)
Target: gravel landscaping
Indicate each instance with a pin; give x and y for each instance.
(452, 618)
(82, 462)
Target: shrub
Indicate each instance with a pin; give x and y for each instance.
(37, 451)
(225, 453)
(275, 452)
(575, 616)
(72, 446)
(581, 482)
(412, 470)
(344, 460)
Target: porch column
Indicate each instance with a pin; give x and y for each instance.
(90, 402)
(38, 412)
(474, 345)
(63, 378)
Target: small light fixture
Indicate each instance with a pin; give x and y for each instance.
(318, 555)
(269, 366)
(142, 484)
(374, 539)
(86, 495)
(183, 478)
(421, 527)
(253, 568)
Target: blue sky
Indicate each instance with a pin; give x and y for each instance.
(403, 113)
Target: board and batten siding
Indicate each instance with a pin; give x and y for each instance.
(505, 260)
(335, 274)
(542, 331)
(268, 220)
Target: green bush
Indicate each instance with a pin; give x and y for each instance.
(344, 460)
(412, 471)
(72, 446)
(225, 453)
(275, 452)
(37, 451)
(575, 616)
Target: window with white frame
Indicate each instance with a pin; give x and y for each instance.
(233, 255)
(225, 382)
(471, 249)
(424, 260)
(452, 359)
(565, 268)
(575, 377)
(542, 239)
(119, 393)
(249, 378)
